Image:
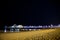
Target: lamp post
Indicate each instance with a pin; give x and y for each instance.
(5, 29)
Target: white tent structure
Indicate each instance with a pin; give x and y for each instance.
(11, 30)
(15, 28)
(18, 28)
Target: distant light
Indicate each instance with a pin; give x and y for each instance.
(40, 26)
(30, 29)
(11, 30)
(16, 30)
(34, 29)
(5, 30)
(23, 29)
(49, 26)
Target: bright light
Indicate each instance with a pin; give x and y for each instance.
(5, 30)
(30, 29)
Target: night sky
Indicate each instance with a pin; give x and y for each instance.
(30, 12)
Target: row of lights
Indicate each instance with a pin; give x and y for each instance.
(21, 26)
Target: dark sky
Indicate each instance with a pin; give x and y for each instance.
(30, 12)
